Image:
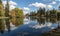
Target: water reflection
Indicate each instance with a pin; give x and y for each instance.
(53, 20)
(43, 25)
(43, 22)
(13, 21)
(2, 25)
(19, 21)
(38, 25)
(10, 24)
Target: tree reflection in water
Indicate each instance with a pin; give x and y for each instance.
(43, 20)
(2, 26)
(53, 20)
(8, 24)
(13, 20)
(19, 21)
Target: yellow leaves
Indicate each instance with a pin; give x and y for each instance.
(0, 7)
(19, 12)
(13, 13)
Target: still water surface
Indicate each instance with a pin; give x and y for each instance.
(28, 26)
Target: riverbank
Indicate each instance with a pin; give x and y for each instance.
(55, 32)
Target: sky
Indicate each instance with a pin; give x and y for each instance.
(32, 5)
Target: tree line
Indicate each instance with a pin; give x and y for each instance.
(5, 12)
(42, 12)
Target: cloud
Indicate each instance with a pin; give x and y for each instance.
(53, 2)
(11, 3)
(4, 3)
(26, 8)
(38, 26)
(12, 7)
(36, 4)
(25, 12)
(57, 0)
(49, 6)
(46, 0)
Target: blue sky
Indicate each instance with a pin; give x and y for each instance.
(31, 5)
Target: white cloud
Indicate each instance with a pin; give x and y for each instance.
(57, 0)
(46, 0)
(50, 0)
(36, 4)
(38, 26)
(49, 6)
(25, 12)
(26, 8)
(12, 7)
(41, 5)
(11, 3)
(4, 3)
(53, 2)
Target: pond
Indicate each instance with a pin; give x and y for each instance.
(28, 26)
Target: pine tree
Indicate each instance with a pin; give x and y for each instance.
(7, 9)
(59, 8)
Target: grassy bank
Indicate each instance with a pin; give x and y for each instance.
(55, 32)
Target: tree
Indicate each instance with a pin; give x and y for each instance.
(1, 9)
(41, 12)
(59, 8)
(53, 13)
(12, 13)
(48, 13)
(33, 13)
(19, 12)
(7, 9)
(58, 14)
